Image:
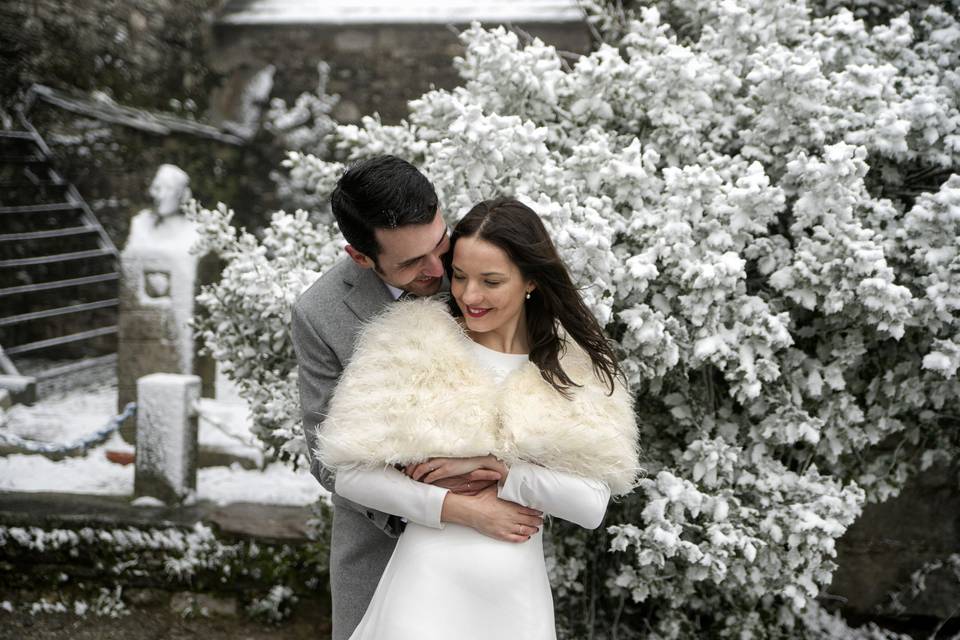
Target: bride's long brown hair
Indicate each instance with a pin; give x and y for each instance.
(517, 230)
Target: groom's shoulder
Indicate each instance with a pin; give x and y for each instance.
(322, 300)
(330, 287)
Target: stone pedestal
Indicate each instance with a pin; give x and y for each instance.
(166, 463)
(160, 279)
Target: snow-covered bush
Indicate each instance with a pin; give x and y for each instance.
(759, 206)
(306, 125)
(274, 607)
(246, 318)
(169, 557)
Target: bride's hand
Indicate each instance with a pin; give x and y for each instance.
(436, 469)
(491, 516)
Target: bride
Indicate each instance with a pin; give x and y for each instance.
(514, 376)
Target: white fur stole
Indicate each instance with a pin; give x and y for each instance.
(413, 390)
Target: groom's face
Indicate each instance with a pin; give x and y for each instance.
(411, 256)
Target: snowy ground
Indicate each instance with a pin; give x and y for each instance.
(73, 414)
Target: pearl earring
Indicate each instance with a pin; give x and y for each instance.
(528, 295)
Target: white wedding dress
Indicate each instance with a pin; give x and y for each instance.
(449, 582)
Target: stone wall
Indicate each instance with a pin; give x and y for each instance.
(892, 540)
(374, 68)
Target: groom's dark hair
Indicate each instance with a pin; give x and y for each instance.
(383, 192)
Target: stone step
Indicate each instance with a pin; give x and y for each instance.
(40, 208)
(22, 158)
(50, 313)
(27, 192)
(61, 340)
(56, 260)
(49, 233)
(58, 257)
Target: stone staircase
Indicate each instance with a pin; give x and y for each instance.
(59, 272)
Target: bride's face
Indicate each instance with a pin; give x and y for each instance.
(487, 286)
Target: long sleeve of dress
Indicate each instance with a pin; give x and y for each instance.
(388, 490)
(582, 501)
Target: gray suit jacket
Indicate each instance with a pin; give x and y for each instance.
(326, 319)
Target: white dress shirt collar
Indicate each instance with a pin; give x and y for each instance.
(396, 293)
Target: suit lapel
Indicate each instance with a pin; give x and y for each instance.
(367, 295)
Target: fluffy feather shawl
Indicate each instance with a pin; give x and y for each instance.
(413, 390)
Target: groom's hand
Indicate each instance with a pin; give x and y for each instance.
(470, 484)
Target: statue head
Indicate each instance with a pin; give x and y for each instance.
(170, 189)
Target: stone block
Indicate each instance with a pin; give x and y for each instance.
(143, 358)
(166, 438)
(19, 389)
(147, 324)
(146, 357)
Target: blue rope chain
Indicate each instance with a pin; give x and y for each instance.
(78, 445)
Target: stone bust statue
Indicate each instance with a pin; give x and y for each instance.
(170, 190)
(163, 223)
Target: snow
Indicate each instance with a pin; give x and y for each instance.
(397, 11)
(166, 438)
(936, 361)
(224, 427)
(65, 418)
(147, 501)
(256, 94)
(92, 473)
(72, 415)
(706, 347)
(277, 483)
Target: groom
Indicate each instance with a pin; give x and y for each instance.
(388, 212)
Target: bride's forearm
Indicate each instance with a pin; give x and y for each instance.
(456, 509)
(574, 498)
(387, 490)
